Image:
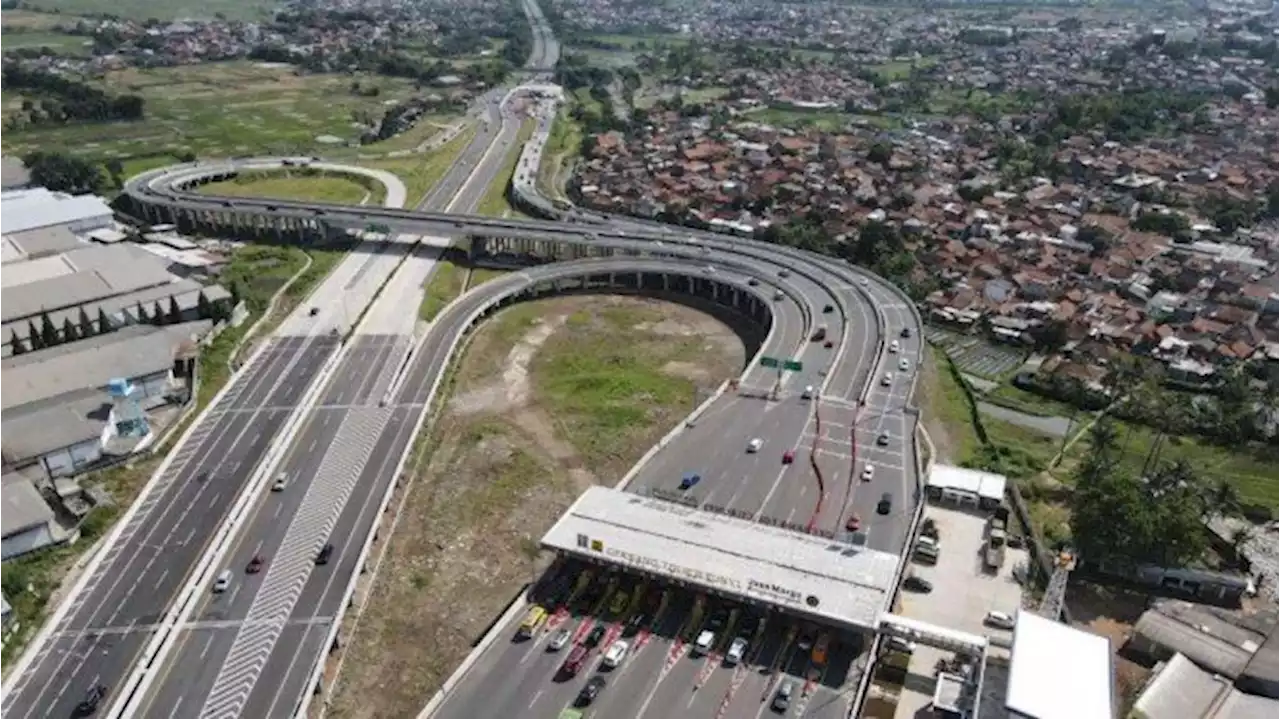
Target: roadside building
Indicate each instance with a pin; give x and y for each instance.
(27, 522)
(36, 208)
(1179, 688)
(1059, 672)
(965, 487)
(1228, 644)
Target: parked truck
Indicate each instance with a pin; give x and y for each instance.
(997, 538)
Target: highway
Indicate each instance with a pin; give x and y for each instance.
(237, 658)
(251, 651)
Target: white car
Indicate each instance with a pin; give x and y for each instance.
(886, 380)
(736, 651)
(893, 346)
(868, 470)
(903, 364)
(558, 641)
(777, 295)
(706, 640)
(754, 445)
(616, 654)
(999, 620)
(282, 481)
(710, 270)
(807, 393)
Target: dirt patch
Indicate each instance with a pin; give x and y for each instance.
(1112, 612)
(511, 451)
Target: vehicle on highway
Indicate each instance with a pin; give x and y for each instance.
(593, 639)
(782, 700)
(917, 584)
(616, 654)
(227, 203)
(754, 445)
(573, 662)
(325, 552)
(709, 270)
(788, 456)
(589, 692)
(706, 640)
(819, 334)
(827, 309)
(819, 654)
(620, 601)
(999, 620)
(532, 620)
(751, 282)
(777, 295)
(886, 380)
(854, 523)
(885, 504)
(635, 623)
(737, 650)
(282, 481)
(271, 208)
(313, 311)
(863, 281)
(255, 565)
(828, 344)
(559, 640)
(784, 273)
(202, 477)
(223, 582)
(903, 364)
(882, 439)
(893, 346)
(905, 333)
(868, 471)
(807, 393)
(92, 699)
(689, 480)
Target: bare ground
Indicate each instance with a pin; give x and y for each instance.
(511, 452)
(1112, 612)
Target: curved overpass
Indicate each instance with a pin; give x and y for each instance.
(863, 312)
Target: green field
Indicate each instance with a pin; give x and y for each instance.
(61, 43)
(168, 10)
(218, 110)
(321, 187)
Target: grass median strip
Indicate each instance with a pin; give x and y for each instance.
(522, 432)
(495, 202)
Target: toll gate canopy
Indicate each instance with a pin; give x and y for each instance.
(823, 579)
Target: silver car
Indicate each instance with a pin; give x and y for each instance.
(558, 641)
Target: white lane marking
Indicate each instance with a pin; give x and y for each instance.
(160, 580)
(208, 643)
(534, 700)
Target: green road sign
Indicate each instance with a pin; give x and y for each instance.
(571, 714)
(792, 365)
(771, 362)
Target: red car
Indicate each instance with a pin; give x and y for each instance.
(574, 661)
(255, 565)
(854, 523)
(788, 457)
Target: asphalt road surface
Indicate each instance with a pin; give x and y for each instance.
(661, 679)
(112, 620)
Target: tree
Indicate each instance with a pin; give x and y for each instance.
(16, 344)
(63, 173)
(141, 314)
(86, 324)
(175, 312)
(157, 314)
(880, 153)
(34, 336)
(48, 333)
(104, 322)
(204, 310)
(69, 333)
(115, 168)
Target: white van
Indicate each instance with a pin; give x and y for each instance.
(807, 393)
(706, 640)
(223, 582)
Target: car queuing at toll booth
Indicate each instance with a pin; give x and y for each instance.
(596, 620)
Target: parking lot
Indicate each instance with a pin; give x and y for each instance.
(609, 643)
(962, 595)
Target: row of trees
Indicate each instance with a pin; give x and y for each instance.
(45, 334)
(63, 99)
(1154, 514)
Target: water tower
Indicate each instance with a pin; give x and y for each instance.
(130, 420)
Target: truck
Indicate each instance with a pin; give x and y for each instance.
(994, 554)
(999, 519)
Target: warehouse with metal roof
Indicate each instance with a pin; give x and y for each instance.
(37, 207)
(809, 576)
(1059, 672)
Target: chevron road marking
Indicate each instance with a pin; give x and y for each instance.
(287, 575)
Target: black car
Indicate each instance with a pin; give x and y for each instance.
(92, 699)
(325, 552)
(597, 633)
(753, 282)
(635, 623)
(885, 504)
(916, 584)
(827, 309)
(906, 332)
(590, 691)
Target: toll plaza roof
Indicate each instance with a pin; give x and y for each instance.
(828, 580)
